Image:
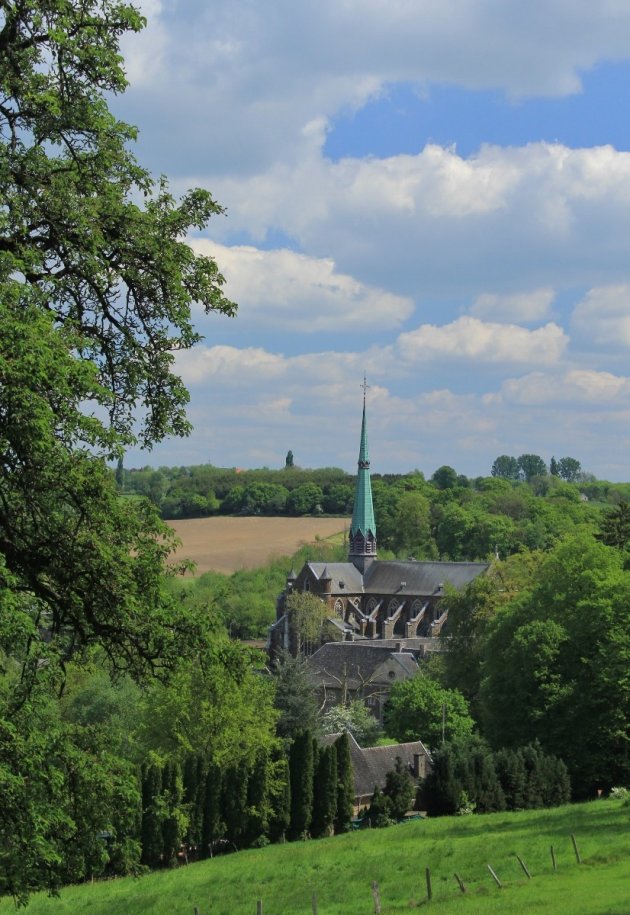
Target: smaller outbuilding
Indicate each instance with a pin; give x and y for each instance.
(371, 765)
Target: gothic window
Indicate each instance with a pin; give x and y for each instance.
(416, 607)
(393, 605)
(371, 605)
(339, 607)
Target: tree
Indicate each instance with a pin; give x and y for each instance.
(507, 467)
(420, 709)
(345, 785)
(355, 718)
(569, 469)
(96, 289)
(445, 477)
(555, 665)
(399, 790)
(615, 526)
(553, 467)
(289, 459)
(307, 614)
(304, 499)
(324, 792)
(530, 466)
(301, 780)
(293, 696)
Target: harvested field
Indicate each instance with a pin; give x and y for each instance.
(228, 544)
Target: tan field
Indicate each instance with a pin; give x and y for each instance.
(228, 544)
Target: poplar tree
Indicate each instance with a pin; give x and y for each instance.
(324, 792)
(301, 775)
(345, 785)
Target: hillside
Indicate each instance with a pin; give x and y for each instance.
(341, 870)
(226, 544)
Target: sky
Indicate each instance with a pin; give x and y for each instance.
(435, 193)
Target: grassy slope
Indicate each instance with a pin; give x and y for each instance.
(340, 871)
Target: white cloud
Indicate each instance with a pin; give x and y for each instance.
(518, 306)
(470, 339)
(287, 290)
(244, 78)
(603, 316)
(576, 387)
(436, 224)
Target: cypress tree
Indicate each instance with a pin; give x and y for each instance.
(234, 802)
(379, 811)
(510, 769)
(488, 794)
(345, 785)
(535, 784)
(151, 837)
(172, 823)
(194, 779)
(212, 827)
(301, 773)
(324, 792)
(443, 789)
(258, 805)
(280, 797)
(399, 790)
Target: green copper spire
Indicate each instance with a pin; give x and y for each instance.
(363, 526)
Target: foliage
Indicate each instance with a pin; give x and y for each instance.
(355, 718)
(294, 697)
(556, 665)
(615, 526)
(307, 613)
(96, 289)
(420, 709)
(345, 785)
(399, 790)
(301, 780)
(324, 792)
(467, 774)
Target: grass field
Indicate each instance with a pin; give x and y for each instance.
(228, 544)
(340, 871)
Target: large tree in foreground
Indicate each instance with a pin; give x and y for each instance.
(96, 287)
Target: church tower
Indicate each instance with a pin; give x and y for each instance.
(363, 526)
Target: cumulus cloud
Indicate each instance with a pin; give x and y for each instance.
(603, 316)
(471, 339)
(518, 306)
(288, 290)
(244, 78)
(576, 387)
(435, 223)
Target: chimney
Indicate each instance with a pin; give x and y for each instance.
(417, 765)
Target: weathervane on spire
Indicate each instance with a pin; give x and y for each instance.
(365, 385)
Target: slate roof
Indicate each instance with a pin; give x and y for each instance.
(384, 576)
(421, 578)
(371, 765)
(354, 663)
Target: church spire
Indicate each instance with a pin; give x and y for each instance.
(363, 526)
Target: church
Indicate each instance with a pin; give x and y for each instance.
(394, 603)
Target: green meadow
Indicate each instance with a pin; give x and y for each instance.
(340, 871)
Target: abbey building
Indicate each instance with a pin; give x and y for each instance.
(387, 602)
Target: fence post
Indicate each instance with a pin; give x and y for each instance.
(575, 849)
(494, 876)
(460, 882)
(377, 898)
(553, 859)
(524, 866)
(429, 889)
(259, 910)
(314, 903)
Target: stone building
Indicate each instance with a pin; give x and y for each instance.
(344, 671)
(368, 599)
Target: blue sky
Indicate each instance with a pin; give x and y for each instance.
(436, 193)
